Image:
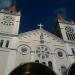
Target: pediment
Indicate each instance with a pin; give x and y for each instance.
(38, 34)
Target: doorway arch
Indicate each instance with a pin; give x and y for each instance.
(32, 69)
(71, 70)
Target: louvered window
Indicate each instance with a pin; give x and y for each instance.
(70, 36)
(70, 33)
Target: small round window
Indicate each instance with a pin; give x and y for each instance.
(24, 49)
(60, 54)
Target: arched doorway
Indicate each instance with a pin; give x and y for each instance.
(71, 70)
(32, 69)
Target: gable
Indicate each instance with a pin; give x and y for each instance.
(39, 34)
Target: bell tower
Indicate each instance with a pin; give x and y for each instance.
(9, 26)
(9, 21)
(64, 29)
(67, 29)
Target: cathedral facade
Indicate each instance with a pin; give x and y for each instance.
(38, 45)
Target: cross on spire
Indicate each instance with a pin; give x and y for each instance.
(40, 25)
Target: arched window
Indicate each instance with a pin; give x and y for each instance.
(37, 61)
(1, 43)
(43, 63)
(7, 43)
(73, 51)
(63, 69)
(50, 64)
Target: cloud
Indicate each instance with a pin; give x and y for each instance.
(61, 11)
(5, 3)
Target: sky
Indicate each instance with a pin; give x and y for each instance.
(34, 12)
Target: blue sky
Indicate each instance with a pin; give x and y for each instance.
(42, 11)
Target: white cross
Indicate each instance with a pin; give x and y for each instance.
(40, 25)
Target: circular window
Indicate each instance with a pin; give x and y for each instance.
(24, 49)
(69, 29)
(42, 51)
(60, 54)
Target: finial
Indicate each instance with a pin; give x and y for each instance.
(40, 25)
